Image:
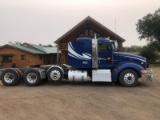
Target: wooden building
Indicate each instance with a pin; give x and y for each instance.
(20, 55)
(86, 28)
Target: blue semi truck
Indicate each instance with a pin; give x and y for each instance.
(89, 59)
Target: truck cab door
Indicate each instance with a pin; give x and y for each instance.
(105, 55)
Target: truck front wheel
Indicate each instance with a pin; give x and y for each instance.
(128, 78)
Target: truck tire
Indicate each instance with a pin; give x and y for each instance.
(10, 77)
(32, 77)
(55, 74)
(128, 78)
(19, 73)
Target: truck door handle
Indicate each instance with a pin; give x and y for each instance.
(109, 59)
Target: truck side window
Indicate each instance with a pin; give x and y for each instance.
(104, 47)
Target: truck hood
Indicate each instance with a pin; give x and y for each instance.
(126, 55)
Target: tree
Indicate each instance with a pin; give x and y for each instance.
(48, 45)
(149, 28)
(150, 52)
(133, 48)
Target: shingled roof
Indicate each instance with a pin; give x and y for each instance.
(89, 22)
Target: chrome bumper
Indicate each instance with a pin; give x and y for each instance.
(148, 75)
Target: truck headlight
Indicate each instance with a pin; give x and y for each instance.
(143, 71)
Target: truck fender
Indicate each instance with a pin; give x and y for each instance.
(116, 71)
(55, 73)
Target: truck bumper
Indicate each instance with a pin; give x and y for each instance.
(148, 75)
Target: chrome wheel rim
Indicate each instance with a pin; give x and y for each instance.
(31, 77)
(129, 78)
(55, 75)
(8, 77)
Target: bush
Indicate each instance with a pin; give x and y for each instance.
(150, 53)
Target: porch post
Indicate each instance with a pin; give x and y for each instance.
(57, 53)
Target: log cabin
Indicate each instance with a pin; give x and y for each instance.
(26, 54)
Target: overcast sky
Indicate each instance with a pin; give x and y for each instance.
(44, 21)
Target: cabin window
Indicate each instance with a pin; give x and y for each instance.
(104, 47)
(86, 33)
(7, 58)
(91, 32)
(23, 57)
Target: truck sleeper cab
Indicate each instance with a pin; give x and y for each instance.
(98, 57)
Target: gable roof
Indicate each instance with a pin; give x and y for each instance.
(47, 50)
(36, 49)
(89, 22)
(18, 46)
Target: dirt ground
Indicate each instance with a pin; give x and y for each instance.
(82, 101)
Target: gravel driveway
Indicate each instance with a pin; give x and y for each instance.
(81, 101)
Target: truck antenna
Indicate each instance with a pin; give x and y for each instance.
(115, 25)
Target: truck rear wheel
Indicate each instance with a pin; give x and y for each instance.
(32, 77)
(10, 77)
(55, 74)
(128, 78)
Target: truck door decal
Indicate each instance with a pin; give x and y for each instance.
(74, 54)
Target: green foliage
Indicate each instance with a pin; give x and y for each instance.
(149, 27)
(46, 45)
(155, 65)
(133, 48)
(150, 52)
